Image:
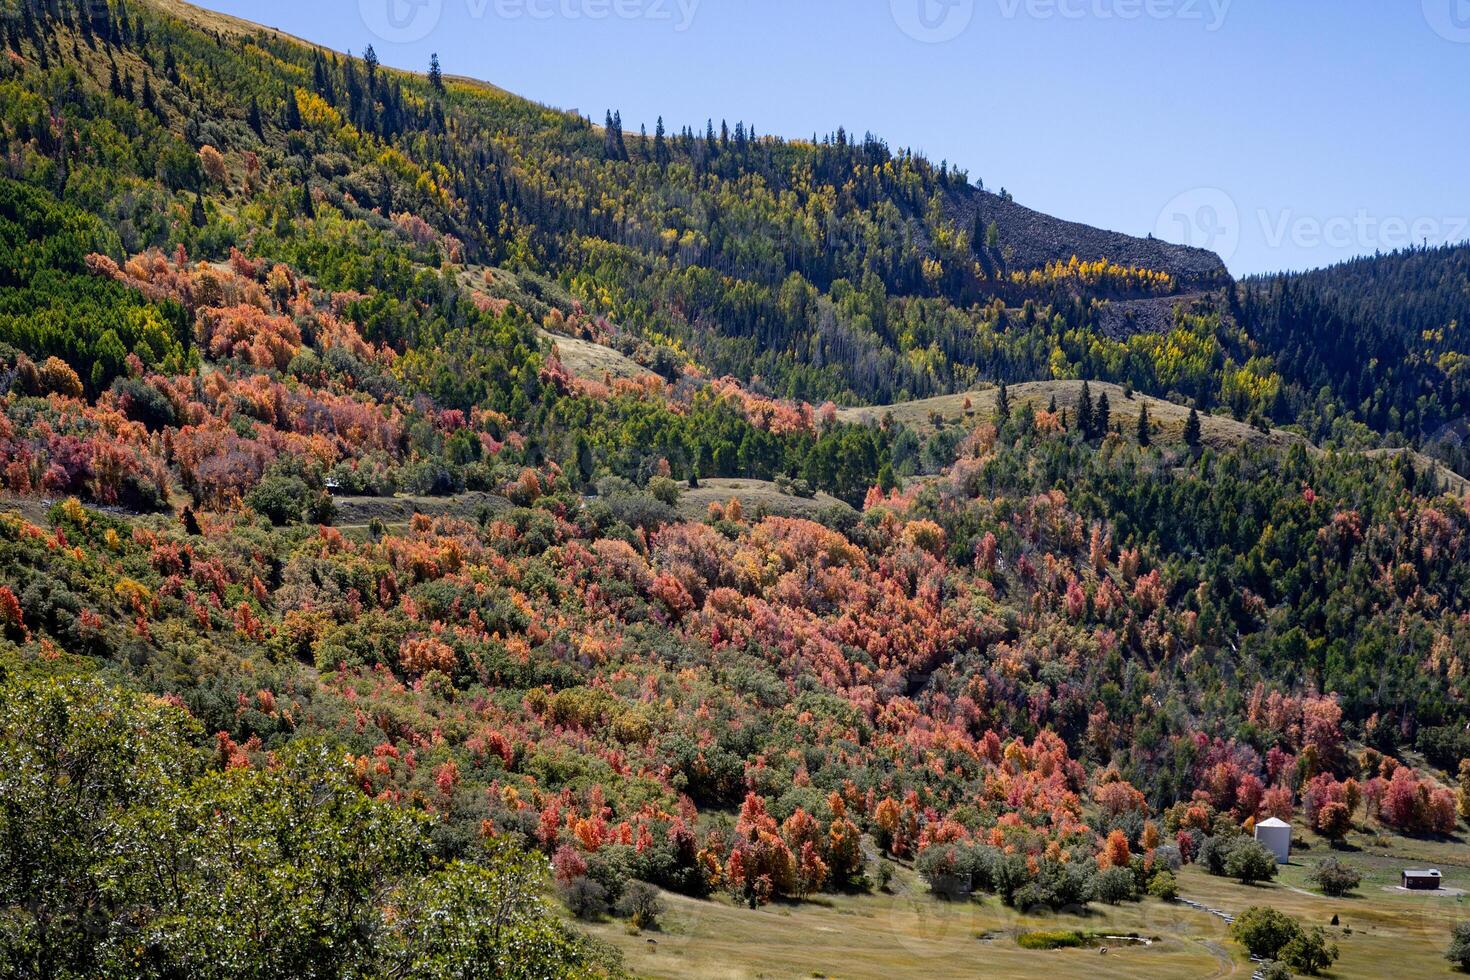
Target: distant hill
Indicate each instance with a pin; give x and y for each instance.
(1389, 335)
(1029, 239)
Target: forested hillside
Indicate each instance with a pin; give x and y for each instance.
(1384, 335)
(1050, 652)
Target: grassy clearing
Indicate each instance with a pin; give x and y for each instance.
(588, 360)
(753, 496)
(908, 933)
(1216, 431)
(1379, 933)
(353, 512)
(1168, 417)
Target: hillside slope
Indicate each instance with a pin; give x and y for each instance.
(623, 603)
(1028, 239)
(1386, 333)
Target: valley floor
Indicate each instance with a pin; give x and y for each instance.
(908, 933)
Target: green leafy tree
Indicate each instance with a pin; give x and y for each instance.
(1264, 931)
(1334, 877)
(75, 756)
(485, 921)
(1309, 952)
(267, 873)
(1458, 952)
(1249, 862)
(1115, 885)
(121, 855)
(1163, 886)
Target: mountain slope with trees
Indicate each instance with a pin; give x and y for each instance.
(1049, 651)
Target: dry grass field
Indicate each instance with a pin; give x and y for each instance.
(1168, 418)
(753, 496)
(398, 511)
(1381, 932)
(588, 360)
(910, 934)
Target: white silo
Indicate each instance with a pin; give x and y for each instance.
(1275, 836)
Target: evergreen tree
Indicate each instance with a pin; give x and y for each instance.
(694, 467)
(1084, 411)
(1144, 436)
(1192, 430)
(319, 80)
(1102, 416)
(612, 137)
(436, 75)
(1003, 404)
(370, 59)
(293, 113)
(660, 144)
(582, 457)
(618, 134)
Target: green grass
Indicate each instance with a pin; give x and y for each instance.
(1052, 939)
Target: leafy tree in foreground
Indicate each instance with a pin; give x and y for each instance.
(1309, 952)
(121, 857)
(1264, 931)
(470, 921)
(1459, 950)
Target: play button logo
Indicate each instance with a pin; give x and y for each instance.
(1449, 18)
(401, 21)
(933, 21)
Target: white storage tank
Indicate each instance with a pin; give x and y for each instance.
(1275, 836)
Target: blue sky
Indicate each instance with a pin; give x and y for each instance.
(1283, 133)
